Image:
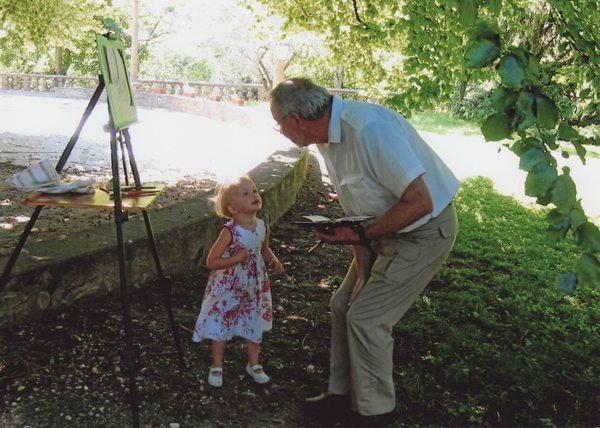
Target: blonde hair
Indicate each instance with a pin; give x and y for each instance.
(223, 198)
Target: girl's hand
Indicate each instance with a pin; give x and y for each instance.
(242, 255)
(276, 265)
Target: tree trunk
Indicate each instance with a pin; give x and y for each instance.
(58, 57)
(133, 72)
(339, 77)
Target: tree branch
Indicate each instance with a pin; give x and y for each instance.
(357, 16)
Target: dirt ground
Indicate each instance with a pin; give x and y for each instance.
(66, 370)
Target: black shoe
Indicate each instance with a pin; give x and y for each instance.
(328, 408)
(385, 420)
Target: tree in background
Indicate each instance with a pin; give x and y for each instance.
(540, 57)
(31, 29)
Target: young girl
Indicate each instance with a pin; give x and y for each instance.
(237, 299)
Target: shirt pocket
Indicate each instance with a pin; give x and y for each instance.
(365, 198)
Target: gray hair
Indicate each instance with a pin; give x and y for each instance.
(301, 96)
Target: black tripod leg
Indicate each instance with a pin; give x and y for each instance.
(163, 281)
(130, 352)
(17, 251)
(88, 111)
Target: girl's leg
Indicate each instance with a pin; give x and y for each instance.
(253, 368)
(218, 350)
(253, 351)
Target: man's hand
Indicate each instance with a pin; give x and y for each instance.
(338, 235)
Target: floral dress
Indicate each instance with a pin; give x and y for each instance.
(237, 300)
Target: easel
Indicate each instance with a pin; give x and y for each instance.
(120, 143)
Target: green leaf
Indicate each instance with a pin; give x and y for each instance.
(511, 72)
(540, 180)
(534, 156)
(547, 112)
(532, 70)
(565, 283)
(494, 6)
(482, 53)
(587, 236)
(581, 151)
(467, 12)
(523, 146)
(555, 235)
(564, 192)
(482, 29)
(550, 141)
(558, 225)
(526, 117)
(495, 127)
(567, 133)
(503, 100)
(544, 200)
(587, 270)
(578, 216)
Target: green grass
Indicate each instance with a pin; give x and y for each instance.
(490, 343)
(443, 123)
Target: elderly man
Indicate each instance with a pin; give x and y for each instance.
(380, 167)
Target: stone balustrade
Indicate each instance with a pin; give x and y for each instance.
(236, 93)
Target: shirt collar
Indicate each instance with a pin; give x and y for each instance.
(335, 122)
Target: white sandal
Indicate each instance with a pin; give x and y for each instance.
(215, 380)
(258, 377)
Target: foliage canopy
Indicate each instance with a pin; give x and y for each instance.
(535, 53)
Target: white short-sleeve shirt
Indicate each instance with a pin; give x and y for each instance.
(373, 155)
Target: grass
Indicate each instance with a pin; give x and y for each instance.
(443, 123)
(490, 343)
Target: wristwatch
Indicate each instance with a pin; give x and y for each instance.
(363, 240)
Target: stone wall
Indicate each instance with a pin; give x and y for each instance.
(84, 265)
(243, 115)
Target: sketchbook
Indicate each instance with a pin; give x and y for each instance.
(321, 222)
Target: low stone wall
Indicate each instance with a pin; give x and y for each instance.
(52, 275)
(249, 116)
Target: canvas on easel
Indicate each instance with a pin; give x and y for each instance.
(121, 103)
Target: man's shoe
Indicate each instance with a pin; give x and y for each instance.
(385, 420)
(328, 408)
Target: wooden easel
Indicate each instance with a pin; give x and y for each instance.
(120, 145)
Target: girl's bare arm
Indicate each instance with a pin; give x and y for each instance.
(270, 259)
(215, 259)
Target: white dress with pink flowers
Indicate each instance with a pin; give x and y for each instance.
(237, 300)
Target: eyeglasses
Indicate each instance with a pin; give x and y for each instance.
(277, 127)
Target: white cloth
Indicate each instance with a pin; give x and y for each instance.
(237, 300)
(42, 177)
(373, 155)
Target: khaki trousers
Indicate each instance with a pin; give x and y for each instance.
(361, 338)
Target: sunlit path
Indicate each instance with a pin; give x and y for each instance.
(472, 156)
(167, 145)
